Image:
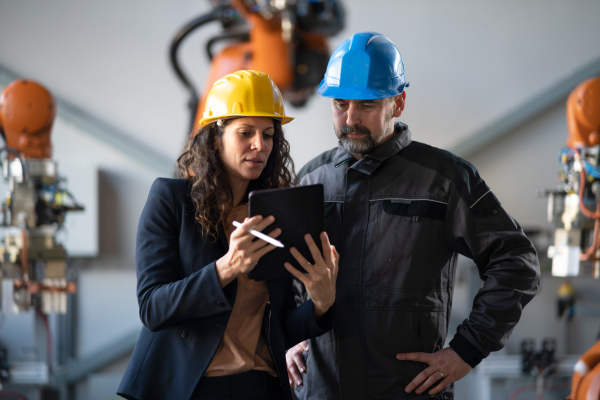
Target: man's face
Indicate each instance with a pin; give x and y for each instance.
(361, 125)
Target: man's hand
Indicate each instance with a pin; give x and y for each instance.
(295, 363)
(445, 367)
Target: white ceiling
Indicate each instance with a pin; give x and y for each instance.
(470, 62)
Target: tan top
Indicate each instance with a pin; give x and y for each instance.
(243, 347)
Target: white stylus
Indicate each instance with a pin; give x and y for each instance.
(261, 235)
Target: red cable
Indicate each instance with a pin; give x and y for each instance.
(5, 394)
(530, 387)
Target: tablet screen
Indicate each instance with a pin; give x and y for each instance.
(297, 211)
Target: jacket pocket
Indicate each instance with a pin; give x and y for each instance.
(411, 250)
(416, 208)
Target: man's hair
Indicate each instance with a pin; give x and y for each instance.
(200, 165)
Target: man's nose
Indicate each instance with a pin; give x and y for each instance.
(352, 116)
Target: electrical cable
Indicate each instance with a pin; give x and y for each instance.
(216, 14)
(582, 182)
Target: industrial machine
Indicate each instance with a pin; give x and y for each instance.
(286, 39)
(585, 384)
(575, 208)
(34, 264)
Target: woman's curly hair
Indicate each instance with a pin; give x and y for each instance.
(211, 193)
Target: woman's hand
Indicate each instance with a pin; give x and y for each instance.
(244, 251)
(321, 277)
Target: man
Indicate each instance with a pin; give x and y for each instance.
(400, 212)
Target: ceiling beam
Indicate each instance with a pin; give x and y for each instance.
(91, 125)
(557, 92)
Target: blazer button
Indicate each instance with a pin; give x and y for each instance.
(219, 303)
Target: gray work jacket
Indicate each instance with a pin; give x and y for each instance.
(399, 217)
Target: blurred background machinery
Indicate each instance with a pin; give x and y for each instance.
(34, 264)
(34, 267)
(574, 209)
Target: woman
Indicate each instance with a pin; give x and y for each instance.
(209, 331)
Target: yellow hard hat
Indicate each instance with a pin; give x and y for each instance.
(244, 93)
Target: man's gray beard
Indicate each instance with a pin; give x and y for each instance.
(364, 145)
(358, 146)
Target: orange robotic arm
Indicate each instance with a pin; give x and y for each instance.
(266, 51)
(270, 49)
(27, 112)
(284, 39)
(585, 384)
(583, 114)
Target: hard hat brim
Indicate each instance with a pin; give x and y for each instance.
(351, 93)
(282, 118)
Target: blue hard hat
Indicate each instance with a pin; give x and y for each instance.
(366, 66)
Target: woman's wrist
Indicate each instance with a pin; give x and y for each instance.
(224, 272)
(319, 311)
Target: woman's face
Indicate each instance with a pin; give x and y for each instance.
(245, 147)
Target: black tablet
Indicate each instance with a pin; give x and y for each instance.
(297, 211)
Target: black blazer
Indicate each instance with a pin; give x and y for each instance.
(183, 308)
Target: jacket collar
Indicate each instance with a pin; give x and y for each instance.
(369, 163)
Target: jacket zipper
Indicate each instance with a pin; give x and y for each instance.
(269, 341)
